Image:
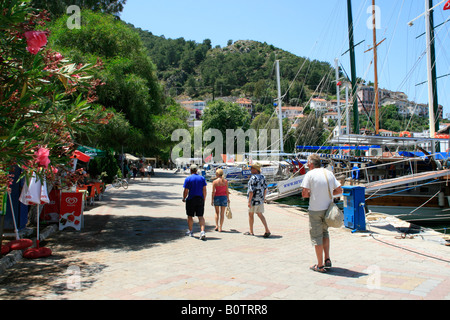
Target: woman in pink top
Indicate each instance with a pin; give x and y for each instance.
(220, 198)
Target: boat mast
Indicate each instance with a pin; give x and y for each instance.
(353, 69)
(338, 96)
(280, 111)
(375, 52)
(433, 104)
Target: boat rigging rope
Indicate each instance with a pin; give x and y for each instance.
(425, 202)
(409, 250)
(403, 236)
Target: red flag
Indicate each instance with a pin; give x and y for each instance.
(447, 5)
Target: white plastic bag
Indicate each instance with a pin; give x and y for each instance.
(34, 191)
(44, 194)
(23, 194)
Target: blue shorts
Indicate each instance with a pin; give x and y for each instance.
(221, 201)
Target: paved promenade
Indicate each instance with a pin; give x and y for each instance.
(134, 247)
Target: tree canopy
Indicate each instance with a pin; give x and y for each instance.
(46, 100)
(222, 115)
(131, 87)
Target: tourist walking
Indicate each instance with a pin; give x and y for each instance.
(315, 184)
(257, 191)
(149, 170)
(194, 196)
(220, 198)
(142, 171)
(135, 171)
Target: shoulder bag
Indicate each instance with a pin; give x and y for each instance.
(334, 217)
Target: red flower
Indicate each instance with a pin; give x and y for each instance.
(35, 40)
(42, 157)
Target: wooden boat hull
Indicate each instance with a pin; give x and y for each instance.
(409, 208)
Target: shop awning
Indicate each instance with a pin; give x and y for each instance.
(92, 152)
(131, 157)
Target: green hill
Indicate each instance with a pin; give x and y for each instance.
(243, 68)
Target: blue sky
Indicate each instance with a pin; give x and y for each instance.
(313, 29)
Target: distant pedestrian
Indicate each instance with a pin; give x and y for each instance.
(220, 198)
(126, 171)
(142, 171)
(194, 195)
(149, 170)
(257, 191)
(315, 184)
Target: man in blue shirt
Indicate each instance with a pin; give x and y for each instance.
(194, 195)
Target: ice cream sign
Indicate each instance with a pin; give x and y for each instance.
(72, 208)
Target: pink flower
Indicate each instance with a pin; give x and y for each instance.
(35, 40)
(42, 157)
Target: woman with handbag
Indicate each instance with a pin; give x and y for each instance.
(315, 184)
(220, 198)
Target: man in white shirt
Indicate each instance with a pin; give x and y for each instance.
(315, 185)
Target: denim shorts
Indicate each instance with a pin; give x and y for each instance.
(221, 201)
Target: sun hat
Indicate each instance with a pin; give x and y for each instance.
(256, 166)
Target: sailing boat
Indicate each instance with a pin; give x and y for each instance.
(419, 194)
(283, 183)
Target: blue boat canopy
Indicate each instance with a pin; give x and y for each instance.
(438, 155)
(363, 148)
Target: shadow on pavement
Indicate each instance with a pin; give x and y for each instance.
(342, 272)
(55, 275)
(124, 233)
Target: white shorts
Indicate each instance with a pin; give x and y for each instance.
(257, 209)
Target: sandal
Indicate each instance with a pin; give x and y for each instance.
(248, 234)
(316, 268)
(328, 263)
(266, 235)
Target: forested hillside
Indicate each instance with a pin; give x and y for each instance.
(243, 68)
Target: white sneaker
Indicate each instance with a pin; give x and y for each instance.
(203, 236)
(189, 233)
